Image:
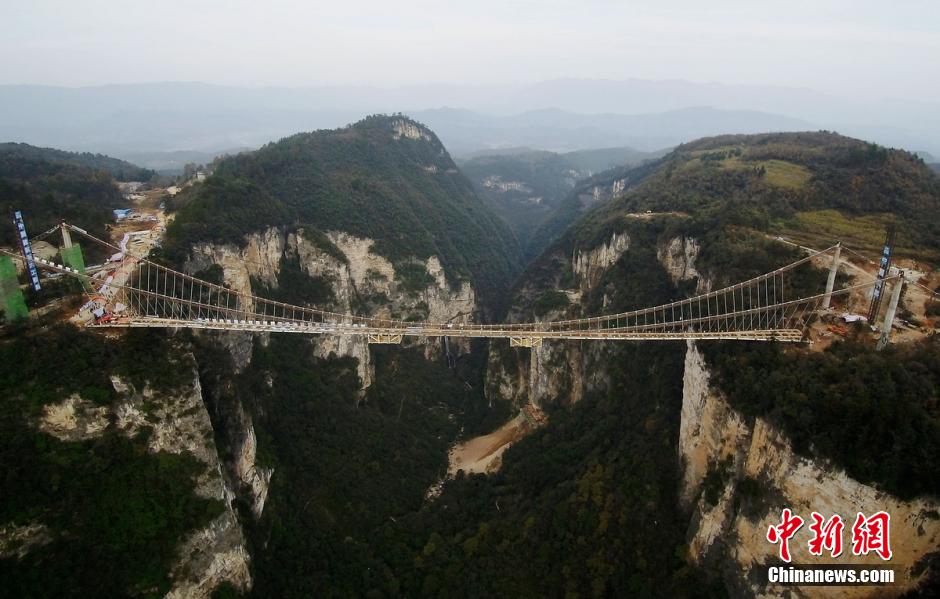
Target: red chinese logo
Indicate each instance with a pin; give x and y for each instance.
(871, 534)
(826, 535)
(783, 532)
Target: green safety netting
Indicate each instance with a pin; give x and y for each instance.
(73, 257)
(11, 296)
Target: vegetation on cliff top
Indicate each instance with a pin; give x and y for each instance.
(776, 182)
(876, 414)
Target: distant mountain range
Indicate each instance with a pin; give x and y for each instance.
(560, 115)
(557, 130)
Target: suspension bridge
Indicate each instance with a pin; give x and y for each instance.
(133, 291)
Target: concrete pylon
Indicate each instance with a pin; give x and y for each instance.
(831, 281)
(889, 314)
(66, 236)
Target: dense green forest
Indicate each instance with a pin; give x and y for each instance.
(369, 180)
(115, 512)
(48, 189)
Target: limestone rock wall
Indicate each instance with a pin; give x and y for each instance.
(179, 423)
(402, 128)
(260, 258)
(558, 371)
(678, 257)
(725, 534)
(362, 281)
(589, 265)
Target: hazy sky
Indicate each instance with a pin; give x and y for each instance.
(876, 48)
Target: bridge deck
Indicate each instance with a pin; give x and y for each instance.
(455, 330)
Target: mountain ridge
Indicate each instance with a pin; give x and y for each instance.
(378, 178)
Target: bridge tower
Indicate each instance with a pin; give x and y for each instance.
(884, 266)
(889, 314)
(833, 271)
(71, 253)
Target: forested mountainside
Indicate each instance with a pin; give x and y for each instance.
(812, 186)
(706, 216)
(526, 186)
(587, 194)
(111, 483)
(385, 178)
(49, 185)
(121, 170)
(717, 203)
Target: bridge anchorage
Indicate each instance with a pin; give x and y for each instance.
(132, 291)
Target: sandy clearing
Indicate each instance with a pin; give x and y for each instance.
(484, 454)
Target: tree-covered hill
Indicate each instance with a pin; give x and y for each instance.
(523, 188)
(50, 185)
(121, 170)
(815, 187)
(386, 177)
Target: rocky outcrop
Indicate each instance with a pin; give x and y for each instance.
(176, 422)
(678, 257)
(180, 423)
(18, 540)
(259, 258)
(556, 372)
(74, 419)
(589, 265)
(718, 448)
(253, 478)
(403, 128)
(618, 187)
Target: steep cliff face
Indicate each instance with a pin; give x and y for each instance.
(737, 477)
(589, 265)
(678, 257)
(175, 423)
(562, 371)
(260, 259)
(180, 423)
(360, 281)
